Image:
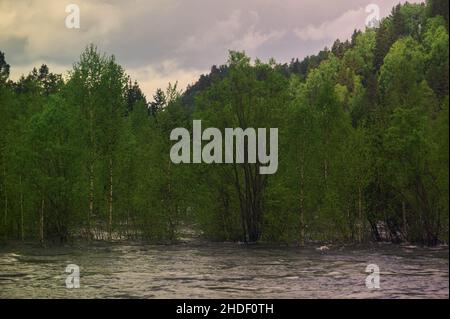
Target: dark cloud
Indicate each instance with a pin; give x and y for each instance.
(158, 39)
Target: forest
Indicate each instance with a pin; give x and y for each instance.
(363, 146)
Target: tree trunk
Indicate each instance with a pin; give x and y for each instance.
(41, 230)
(252, 208)
(91, 173)
(110, 198)
(5, 221)
(360, 215)
(91, 199)
(170, 210)
(404, 220)
(22, 232)
(302, 208)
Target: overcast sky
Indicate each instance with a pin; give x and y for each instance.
(161, 41)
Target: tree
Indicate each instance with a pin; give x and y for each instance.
(438, 7)
(133, 95)
(248, 97)
(4, 69)
(436, 45)
(98, 87)
(54, 166)
(159, 102)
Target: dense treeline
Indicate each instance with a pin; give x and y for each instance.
(363, 145)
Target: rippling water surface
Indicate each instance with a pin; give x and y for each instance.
(136, 270)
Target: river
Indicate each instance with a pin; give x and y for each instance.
(219, 270)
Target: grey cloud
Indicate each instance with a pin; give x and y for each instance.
(164, 37)
(15, 47)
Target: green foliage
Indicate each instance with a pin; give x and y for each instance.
(438, 8)
(53, 165)
(4, 69)
(436, 45)
(363, 145)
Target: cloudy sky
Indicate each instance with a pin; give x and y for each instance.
(161, 41)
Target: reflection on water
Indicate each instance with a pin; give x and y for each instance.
(136, 270)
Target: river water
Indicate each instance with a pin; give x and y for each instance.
(208, 270)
